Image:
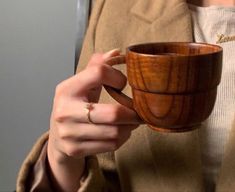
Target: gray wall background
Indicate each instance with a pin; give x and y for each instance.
(37, 45)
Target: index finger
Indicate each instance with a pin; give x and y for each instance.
(97, 74)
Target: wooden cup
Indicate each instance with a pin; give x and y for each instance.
(173, 84)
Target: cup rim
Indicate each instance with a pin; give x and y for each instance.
(130, 48)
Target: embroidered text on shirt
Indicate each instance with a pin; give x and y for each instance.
(222, 38)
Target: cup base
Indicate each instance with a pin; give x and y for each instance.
(174, 130)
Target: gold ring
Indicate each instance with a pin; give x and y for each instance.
(88, 109)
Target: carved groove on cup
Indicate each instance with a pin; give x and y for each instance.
(178, 110)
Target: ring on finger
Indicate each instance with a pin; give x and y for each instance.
(88, 108)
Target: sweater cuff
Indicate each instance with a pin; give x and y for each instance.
(34, 177)
(93, 180)
(89, 182)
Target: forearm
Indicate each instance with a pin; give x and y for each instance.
(66, 173)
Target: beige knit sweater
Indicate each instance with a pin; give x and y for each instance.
(216, 25)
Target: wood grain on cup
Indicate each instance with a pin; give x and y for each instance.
(173, 84)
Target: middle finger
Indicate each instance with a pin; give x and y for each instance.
(113, 114)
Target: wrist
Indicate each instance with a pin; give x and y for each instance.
(66, 172)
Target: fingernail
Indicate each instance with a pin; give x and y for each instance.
(111, 53)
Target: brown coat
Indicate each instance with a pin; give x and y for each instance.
(150, 161)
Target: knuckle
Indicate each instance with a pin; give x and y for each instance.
(58, 112)
(59, 89)
(62, 132)
(73, 152)
(99, 72)
(96, 59)
(81, 134)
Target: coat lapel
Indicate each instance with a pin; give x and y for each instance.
(171, 161)
(162, 20)
(152, 10)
